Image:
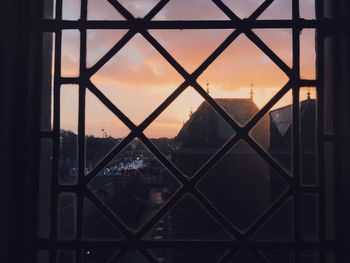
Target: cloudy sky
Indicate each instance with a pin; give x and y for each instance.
(138, 78)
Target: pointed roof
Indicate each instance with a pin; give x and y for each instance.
(282, 117)
(206, 128)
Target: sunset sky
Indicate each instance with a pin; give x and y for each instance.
(138, 78)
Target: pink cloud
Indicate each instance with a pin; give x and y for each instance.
(138, 78)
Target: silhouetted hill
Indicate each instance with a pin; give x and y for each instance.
(98, 147)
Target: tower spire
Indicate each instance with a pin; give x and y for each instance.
(191, 112)
(208, 91)
(251, 90)
(308, 94)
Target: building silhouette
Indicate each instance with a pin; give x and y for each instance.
(239, 185)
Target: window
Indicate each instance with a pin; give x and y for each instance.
(243, 179)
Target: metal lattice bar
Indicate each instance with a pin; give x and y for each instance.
(190, 244)
(141, 24)
(240, 240)
(321, 139)
(56, 131)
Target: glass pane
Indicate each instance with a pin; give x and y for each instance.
(48, 60)
(188, 220)
(103, 131)
(279, 227)
(309, 216)
(71, 9)
(67, 210)
(243, 9)
(68, 166)
(279, 9)
(176, 131)
(190, 48)
(308, 53)
(307, 9)
(144, 80)
(239, 185)
(279, 41)
(194, 10)
(102, 10)
(70, 53)
(277, 126)
(97, 226)
(245, 74)
(139, 8)
(49, 7)
(134, 185)
(308, 136)
(99, 42)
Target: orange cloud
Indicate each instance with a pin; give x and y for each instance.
(138, 79)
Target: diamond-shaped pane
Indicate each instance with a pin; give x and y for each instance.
(134, 185)
(277, 126)
(139, 8)
(194, 130)
(99, 42)
(279, 41)
(139, 76)
(243, 9)
(239, 186)
(245, 74)
(279, 9)
(102, 10)
(96, 226)
(194, 10)
(190, 47)
(279, 227)
(188, 220)
(103, 130)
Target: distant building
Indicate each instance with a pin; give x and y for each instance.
(281, 139)
(239, 185)
(281, 128)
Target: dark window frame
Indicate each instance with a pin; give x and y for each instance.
(138, 25)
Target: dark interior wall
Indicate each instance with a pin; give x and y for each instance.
(18, 121)
(342, 129)
(337, 118)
